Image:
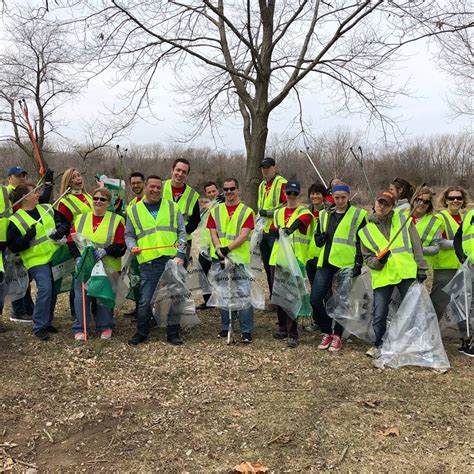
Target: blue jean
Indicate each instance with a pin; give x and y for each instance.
(45, 297)
(382, 298)
(321, 285)
(24, 305)
(245, 319)
(104, 317)
(150, 274)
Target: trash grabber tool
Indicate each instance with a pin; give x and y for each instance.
(84, 316)
(315, 169)
(418, 203)
(42, 164)
(52, 205)
(137, 250)
(230, 331)
(466, 303)
(38, 185)
(360, 160)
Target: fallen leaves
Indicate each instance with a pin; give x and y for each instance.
(393, 432)
(250, 468)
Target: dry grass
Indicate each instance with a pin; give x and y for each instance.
(205, 406)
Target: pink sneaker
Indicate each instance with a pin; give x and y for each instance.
(326, 342)
(336, 344)
(107, 334)
(79, 336)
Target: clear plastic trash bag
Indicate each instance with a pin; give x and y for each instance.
(289, 289)
(256, 263)
(172, 300)
(234, 287)
(16, 280)
(127, 282)
(351, 303)
(459, 313)
(413, 336)
(197, 281)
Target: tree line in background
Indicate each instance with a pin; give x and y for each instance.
(438, 161)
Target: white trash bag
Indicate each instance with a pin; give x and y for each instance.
(15, 280)
(197, 281)
(413, 336)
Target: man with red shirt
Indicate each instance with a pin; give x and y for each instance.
(230, 224)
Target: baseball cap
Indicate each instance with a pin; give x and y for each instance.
(267, 162)
(292, 186)
(16, 171)
(386, 196)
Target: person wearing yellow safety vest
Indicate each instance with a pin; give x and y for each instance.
(398, 268)
(427, 225)
(464, 248)
(445, 263)
(185, 197)
(336, 235)
(106, 231)
(137, 183)
(317, 193)
(271, 196)
(32, 233)
(211, 192)
(155, 233)
(297, 222)
(22, 309)
(230, 224)
(5, 212)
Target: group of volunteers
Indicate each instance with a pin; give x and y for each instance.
(398, 240)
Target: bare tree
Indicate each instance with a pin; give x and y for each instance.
(247, 56)
(36, 66)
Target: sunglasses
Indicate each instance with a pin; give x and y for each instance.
(455, 198)
(230, 190)
(99, 198)
(292, 193)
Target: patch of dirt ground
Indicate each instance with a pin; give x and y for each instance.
(205, 406)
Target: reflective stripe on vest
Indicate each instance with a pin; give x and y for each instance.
(75, 205)
(468, 235)
(270, 201)
(229, 229)
(446, 258)
(186, 202)
(401, 265)
(41, 248)
(155, 232)
(5, 212)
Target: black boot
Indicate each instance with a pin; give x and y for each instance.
(173, 335)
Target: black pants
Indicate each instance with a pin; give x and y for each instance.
(266, 246)
(206, 266)
(311, 267)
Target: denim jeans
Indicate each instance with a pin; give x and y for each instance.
(206, 266)
(104, 317)
(321, 285)
(245, 319)
(266, 246)
(382, 298)
(311, 268)
(45, 297)
(24, 305)
(150, 274)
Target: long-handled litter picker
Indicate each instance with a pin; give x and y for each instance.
(315, 169)
(360, 160)
(230, 331)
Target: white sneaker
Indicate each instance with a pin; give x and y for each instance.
(373, 352)
(79, 336)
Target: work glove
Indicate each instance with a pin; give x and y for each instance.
(321, 239)
(356, 271)
(31, 232)
(264, 213)
(293, 227)
(99, 254)
(223, 251)
(220, 198)
(421, 277)
(57, 234)
(383, 260)
(49, 177)
(274, 233)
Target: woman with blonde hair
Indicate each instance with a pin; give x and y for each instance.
(78, 200)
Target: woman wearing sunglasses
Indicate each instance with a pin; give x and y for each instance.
(445, 264)
(427, 225)
(106, 231)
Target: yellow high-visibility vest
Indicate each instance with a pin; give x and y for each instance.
(5, 212)
(270, 201)
(446, 258)
(75, 205)
(468, 235)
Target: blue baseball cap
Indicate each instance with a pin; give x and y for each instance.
(16, 171)
(292, 186)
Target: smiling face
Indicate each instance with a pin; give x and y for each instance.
(316, 199)
(179, 174)
(422, 205)
(76, 182)
(268, 172)
(454, 201)
(211, 192)
(382, 208)
(153, 190)
(137, 184)
(100, 202)
(231, 192)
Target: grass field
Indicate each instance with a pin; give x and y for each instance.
(206, 406)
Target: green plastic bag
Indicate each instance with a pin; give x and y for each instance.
(100, 286)
(86, 264)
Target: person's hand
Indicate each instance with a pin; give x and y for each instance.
(421, 277)
(287, 230)
(136, 250)
(99, 254)
(178, 261)
(384, 259)
(264, 213)
(274, 233)
(49, 177)
(220, 198)
(57, 234)
(31, 232)
(356, 271)
(222, 252)
(321, 239)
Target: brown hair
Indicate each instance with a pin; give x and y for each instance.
(20, 191)
(105, 193)
(66, 180)
(420, 192)
(449, 189)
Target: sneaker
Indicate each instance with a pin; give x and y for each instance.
(292, 342)
(373, 352)
(470, 351)
(223, 334)
(311, 328)
(42, 334)
(153, 323)
(465, 343)
(22, 318)
(325, 342)
(175, 340)
(106, 334)
(246, 337)
(336, 344)
(137, 339)
(51, 329)
(280, 335)
(79, 336)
